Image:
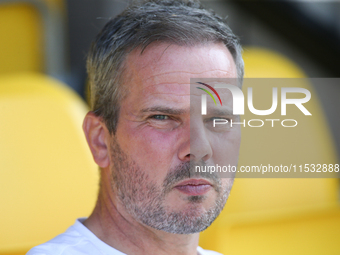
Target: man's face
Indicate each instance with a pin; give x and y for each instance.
(161, 135)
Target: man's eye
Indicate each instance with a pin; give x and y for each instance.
(218, 124)
(219, 119)
(160, 117)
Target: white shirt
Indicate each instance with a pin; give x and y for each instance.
(79, 240)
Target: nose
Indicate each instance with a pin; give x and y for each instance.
(197, 146)
(200, 146)
(184, 149)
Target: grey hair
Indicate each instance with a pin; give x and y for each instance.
(180, 22)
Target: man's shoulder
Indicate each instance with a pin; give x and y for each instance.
(76, 240)
(64, 245)
(69, 242)
(207, 252)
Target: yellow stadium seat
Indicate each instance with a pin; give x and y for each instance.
(32, 37)
(47, 174)
(280, 216)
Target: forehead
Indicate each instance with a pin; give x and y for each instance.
(164, 67)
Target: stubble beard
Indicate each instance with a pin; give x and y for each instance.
(144, 200)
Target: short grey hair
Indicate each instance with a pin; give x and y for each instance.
(180, 22)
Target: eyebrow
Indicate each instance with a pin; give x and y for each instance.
(221, 112)
(167, 110)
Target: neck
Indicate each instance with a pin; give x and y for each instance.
(113, 225)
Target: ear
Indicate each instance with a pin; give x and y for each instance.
(97, 137)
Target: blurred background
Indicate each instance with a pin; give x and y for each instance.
(43, 48)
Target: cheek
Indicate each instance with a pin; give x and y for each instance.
(226, 148)
(227, 184)
(152, 149)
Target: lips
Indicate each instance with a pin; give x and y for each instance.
(194, 187)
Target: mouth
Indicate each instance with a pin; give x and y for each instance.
(194, 187)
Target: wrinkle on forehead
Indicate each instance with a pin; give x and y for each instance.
(191, 74)
(161, 61)
(161, 75)
(176, 89)
(170, 93)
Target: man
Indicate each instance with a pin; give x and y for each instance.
(147, 134)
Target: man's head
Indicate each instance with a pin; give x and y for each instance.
(145, 133)
(183, 23)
